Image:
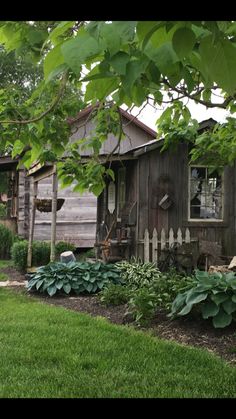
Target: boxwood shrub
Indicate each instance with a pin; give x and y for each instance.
(77, 277)
(6, 239)
(40, 253)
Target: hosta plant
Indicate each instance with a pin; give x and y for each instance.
(138, 274)
(78, 277)
(213, 294)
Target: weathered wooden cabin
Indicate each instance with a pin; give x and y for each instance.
(76, 220)
(157, 191)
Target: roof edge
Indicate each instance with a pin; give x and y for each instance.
(86, 111)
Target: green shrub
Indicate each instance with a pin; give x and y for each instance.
(83, 255)
(138, 274)
(214, 295)
(6, 241)
(78, 277)
(115, 295)
(3, 210)
(168, 285)
(142, 305)
(40, 254)
(62, 246)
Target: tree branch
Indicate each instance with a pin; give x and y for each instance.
(222, 105)
(53, 105)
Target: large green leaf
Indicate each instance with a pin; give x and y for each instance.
(229, 306)
(234, 298)
(52, 290)
(134, 69)
(67, 288)
(219, 59)
(53, 60)
(196, 297)
(59, 30)
(219, 298)
(183, 41)
(39, 283)
(164, 57)
(100, 88)
(209, 309)
(119, 62)
(77, 50)
(222, 319)
(185, 310)
(178, 302)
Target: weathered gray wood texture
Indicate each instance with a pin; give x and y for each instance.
(153, 175)
(76, 220)
(135, 136)
(168, 171)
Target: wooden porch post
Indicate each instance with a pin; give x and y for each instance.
(54, 214)
(32, 220)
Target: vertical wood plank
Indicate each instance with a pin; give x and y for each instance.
(187, 235)
(154, 246)
(179, 237)
(146, 245)
(54, 215)
(163, 239)
(171, 237)
(31, 232)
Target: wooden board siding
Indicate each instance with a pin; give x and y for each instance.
(23, 204)
(135, 136)
(153, 165)
(76, 220)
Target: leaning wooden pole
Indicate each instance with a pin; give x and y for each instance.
(54, 214)
(32, 221)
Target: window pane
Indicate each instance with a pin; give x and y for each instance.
(205, 193)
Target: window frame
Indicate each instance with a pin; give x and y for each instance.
(204, 220)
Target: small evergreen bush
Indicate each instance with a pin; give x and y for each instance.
(63, 246)
(6, 242)
(40, 254)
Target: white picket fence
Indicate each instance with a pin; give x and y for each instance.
(165, 241)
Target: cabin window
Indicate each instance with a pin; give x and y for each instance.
(8, 207)
(121, 191)
(205, 197)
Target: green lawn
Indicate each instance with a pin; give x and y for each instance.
(50, 352)
(4, 264)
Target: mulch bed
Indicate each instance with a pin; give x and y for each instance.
(187, 330)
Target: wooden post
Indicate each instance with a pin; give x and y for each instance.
(54, 214)
(32, 220)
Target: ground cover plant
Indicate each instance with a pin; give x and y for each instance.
(75, 277)
(51, 352)
(214, 295)
(149, 289)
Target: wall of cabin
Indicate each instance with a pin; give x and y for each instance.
(168, 171)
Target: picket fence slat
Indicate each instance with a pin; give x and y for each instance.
(153, 247)
(146, 246)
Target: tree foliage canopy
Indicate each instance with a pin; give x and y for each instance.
(123, 62)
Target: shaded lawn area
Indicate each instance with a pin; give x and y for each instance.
(52, 352)
(5, 264)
